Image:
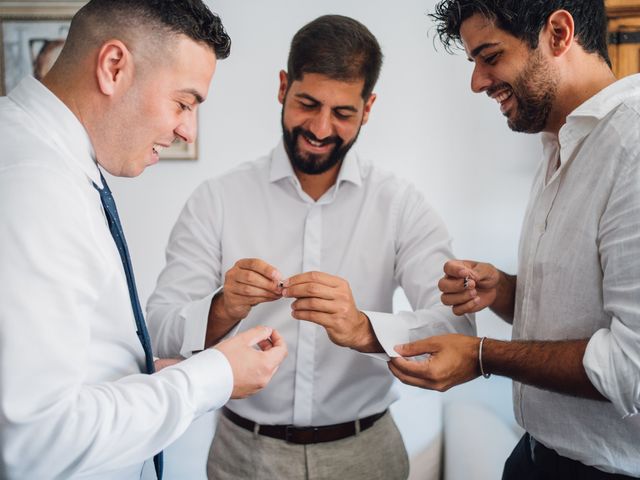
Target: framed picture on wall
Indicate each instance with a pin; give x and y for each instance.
(31, 38)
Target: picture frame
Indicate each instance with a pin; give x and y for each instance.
(31, 37)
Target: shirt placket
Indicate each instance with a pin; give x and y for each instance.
(307, 331)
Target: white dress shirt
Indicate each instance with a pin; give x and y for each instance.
(579, 277)
(370, 228)
(73, 401)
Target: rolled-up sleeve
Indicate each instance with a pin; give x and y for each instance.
(612, 358)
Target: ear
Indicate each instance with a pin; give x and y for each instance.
(367, 108)
(284, 84)
(559, 32)
(114, 67)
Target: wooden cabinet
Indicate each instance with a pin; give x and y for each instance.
(624, 36)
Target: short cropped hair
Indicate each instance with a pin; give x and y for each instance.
(525, 19)
(100, 19)
(338, 47)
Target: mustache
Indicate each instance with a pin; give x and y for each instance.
(497, 88)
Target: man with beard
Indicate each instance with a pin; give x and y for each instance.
(310, 232)
(574, 357)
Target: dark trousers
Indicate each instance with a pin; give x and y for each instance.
(531, 460)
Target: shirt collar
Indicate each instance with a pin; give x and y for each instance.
(584, 119)
(350, 171)
(55, 120)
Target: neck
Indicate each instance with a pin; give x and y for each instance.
(586, 80)
(317, 185)
(66, 91)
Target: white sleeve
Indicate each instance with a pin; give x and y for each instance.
(423, 246)
(178, 309)
(612, 358)
(55, 420)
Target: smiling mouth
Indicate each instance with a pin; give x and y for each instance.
(502, 97)
(157, 148)
(317, 143)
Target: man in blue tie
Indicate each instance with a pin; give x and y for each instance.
(78, 392)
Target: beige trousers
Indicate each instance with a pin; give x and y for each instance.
(376, 453)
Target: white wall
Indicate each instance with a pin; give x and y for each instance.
(426, 126)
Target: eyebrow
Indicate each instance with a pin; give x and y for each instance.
(306, 96)
(476, 51)
(192, 91)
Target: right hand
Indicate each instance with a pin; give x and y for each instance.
(253, 368)
(481, 289)
(249, 282)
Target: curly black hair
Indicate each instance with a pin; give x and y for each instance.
(524, 19)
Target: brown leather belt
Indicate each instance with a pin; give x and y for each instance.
(304, 435)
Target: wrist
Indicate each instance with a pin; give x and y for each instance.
(369, 342)
(482, 365)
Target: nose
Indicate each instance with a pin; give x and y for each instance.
(480, 79)
(320, 124)
(188, 128)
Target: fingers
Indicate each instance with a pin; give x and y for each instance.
(419, 347)
(322, 319)
(449, 284)
(472, 306)
(254, 335)
(459, 269)
(316, 305)
(309, 289)
(260, 266)
(278, 351)
(260, 284)
(314, 278)
(460, 298)
(408, 379)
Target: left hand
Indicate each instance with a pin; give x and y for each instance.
(453, 360)
(327, 300)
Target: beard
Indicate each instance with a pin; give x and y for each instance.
(535, 90)
(310, 163)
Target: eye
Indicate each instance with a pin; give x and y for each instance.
(184, 107)
(308, 106)
(342, 115)
(492, 58)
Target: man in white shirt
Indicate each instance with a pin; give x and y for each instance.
(75, 397)
(309, 232)
(574, 304)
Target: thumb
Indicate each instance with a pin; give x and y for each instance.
(255, 335)
(419, 347)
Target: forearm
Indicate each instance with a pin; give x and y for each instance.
(219, 322)
(555, 366)
(504, 304)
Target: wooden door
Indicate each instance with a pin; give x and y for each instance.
(624, 36)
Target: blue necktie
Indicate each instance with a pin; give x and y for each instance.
(111, 212)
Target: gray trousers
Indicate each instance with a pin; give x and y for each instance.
(376, 453)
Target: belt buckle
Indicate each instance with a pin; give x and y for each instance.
(291, 430)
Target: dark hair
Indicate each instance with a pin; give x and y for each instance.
(191, 18)
(336, 46)
(525, 19)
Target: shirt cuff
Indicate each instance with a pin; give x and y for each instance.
(196, 318)
(390, 330)
(208, 377)
(608, 372)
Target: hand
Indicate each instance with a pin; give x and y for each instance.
(251, 281)
(453, 360)
(253, 368)
(161, 363)
(481, 285)
(327, 300)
